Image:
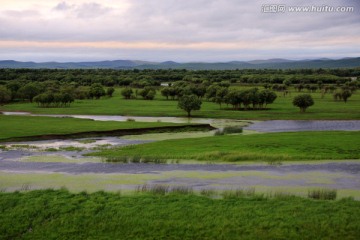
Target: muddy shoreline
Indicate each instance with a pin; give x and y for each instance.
(117, 132)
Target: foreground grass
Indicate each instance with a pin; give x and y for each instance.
(61, 215)
(23, 126)
(282, 108)
(266, 147)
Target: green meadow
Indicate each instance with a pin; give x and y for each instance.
(27, 126)
(235, 148)
(50, 214)
(282, 108)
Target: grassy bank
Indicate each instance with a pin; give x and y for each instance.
(265, 147)
(282, 108)
(24, 126)
(61, 215)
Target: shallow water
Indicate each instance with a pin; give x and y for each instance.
(292, 178)
(72, 148)
(305, 125)
(18, 166)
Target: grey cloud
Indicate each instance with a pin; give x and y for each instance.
(90, 10)
(63, 6)
(182, 21)
(85, 10)
(193, 21)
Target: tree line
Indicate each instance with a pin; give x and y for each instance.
(141, 78)
(51, 93)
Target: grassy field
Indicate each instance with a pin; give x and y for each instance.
(265, 147)
(325, 108)
(21, 126)
(61, 215)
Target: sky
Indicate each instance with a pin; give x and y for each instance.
(176, 30)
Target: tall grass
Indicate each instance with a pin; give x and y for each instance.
(135, 159)
(239, 193)
(322, 194)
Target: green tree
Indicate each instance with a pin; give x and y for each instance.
(5, 95)
(110, 91)
(345, 94)
(303, 101)
(267, 97)
(97, 90)
(220, 95)
(148, 93)
(13, 86)
(189, 103)
(165, 92)
(211, 92)
(127, 93)
(82, 92)
(233, 97)
(29, 91)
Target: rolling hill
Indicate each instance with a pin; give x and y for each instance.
(131, 64)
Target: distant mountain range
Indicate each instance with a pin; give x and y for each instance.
(130, 64)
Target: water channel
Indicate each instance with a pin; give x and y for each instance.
(56, 163)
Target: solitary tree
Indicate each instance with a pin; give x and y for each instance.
(189, 103)
(303, 101)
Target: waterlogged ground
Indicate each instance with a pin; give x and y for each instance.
(60, 163)
(91, 174)
(71, 148)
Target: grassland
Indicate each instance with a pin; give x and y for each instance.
(61, 215)
(234, 148)
(23, 126)
(282, 108)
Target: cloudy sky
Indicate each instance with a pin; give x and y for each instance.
(178, 30)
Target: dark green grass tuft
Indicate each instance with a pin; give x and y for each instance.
(228, 130)
(322, 194)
